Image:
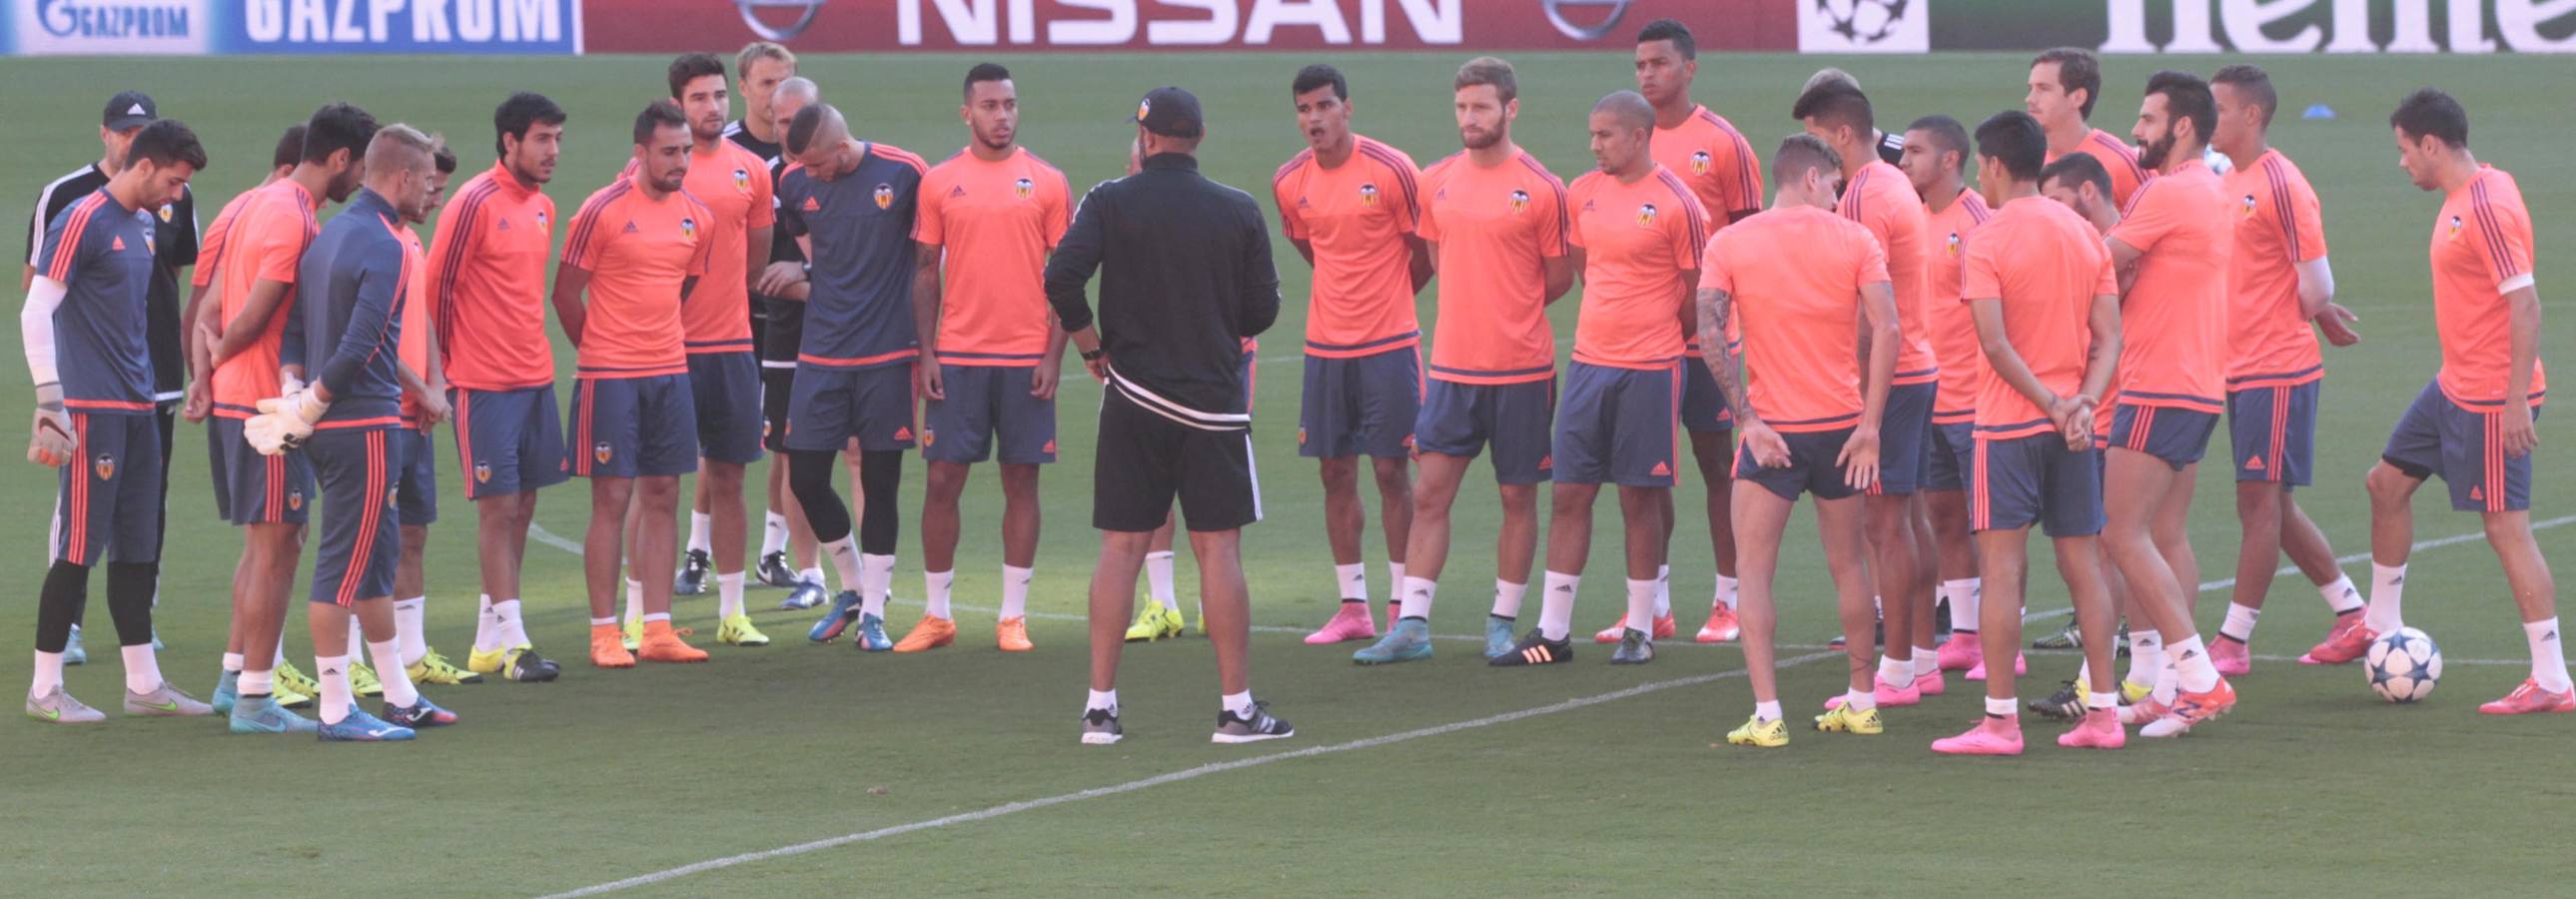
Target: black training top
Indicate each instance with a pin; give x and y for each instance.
(1185, 275)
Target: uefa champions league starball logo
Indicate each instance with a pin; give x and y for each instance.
(1863, 21)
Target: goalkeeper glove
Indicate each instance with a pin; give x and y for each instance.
(51, 442)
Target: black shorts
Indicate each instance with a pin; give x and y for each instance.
(1146, 458)
(776, 382)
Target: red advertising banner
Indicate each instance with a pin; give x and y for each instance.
(831, 26)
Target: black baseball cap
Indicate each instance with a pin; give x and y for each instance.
(129, 109)
(1170, 112)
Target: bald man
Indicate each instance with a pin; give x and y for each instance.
(778, 300)
(1636, 234)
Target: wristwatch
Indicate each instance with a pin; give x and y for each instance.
(1094, 355)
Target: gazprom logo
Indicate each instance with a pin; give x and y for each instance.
(108, 19)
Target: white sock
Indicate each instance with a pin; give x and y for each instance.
(1965, 601)
(1556, 606)
(876, 583)
(1106, 700)
(1417, 597)
(2548, 658)
(333, 673)
(934, 587)
(357, 639)
(814, 576)
(411, 619)
(2101, 701)
(2239, 625)
(1927, 662)
(2006, 707)
(2146, 655)
(277, 658)
(2341, 596)
(233, 662)
(1895, 672)
(1663, 592)
(1015, 591)
(513, 632)
(2191, 661)
(773, 533)
(1507, 598)
(143, 670)
(844, 556)
(728, 595)
(2387, 589)
(610, 621)
(257, 683)
(1158, 579)
(1394, 581)
(1860, 700)
(1641, 604)
(1767, 711)
(1353, 582)
(701, 532)
(1238, 703)
(1726, 593)
(660, 617)
(634, 600)
(2167, 682)
(390, 672)
(487, 628)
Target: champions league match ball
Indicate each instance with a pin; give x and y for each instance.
(2403, 666)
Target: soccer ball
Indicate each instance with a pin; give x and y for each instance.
(2403, 666)
(1863, 21)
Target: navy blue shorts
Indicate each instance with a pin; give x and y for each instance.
(984, 399)
(1904, 439)
(1703, 405)
(251, 488)
(416, 484)
(2439, 436)
(1361, 405)
(110, 495)
(724, 393)
(359, 471)
(1461, 419)
(632, 428)
(1618, 426)
(507, 441)
(2035, 479)
(832, 405)
(777, 384)
(2176, 435)
(1812, 467)
(2274, 431)
(1950, 457)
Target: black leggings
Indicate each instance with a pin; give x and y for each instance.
(66, 590)
(809, 474)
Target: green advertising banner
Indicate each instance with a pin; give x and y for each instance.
(2256, 26)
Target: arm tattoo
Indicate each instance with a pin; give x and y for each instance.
(1716, 314)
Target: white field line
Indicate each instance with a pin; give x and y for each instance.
(1012, 808)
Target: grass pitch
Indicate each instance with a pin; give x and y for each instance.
(956, 771)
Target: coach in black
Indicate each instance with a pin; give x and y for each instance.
(174, 226)
(1185, 275)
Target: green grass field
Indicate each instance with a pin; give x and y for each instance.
(1434, 778)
